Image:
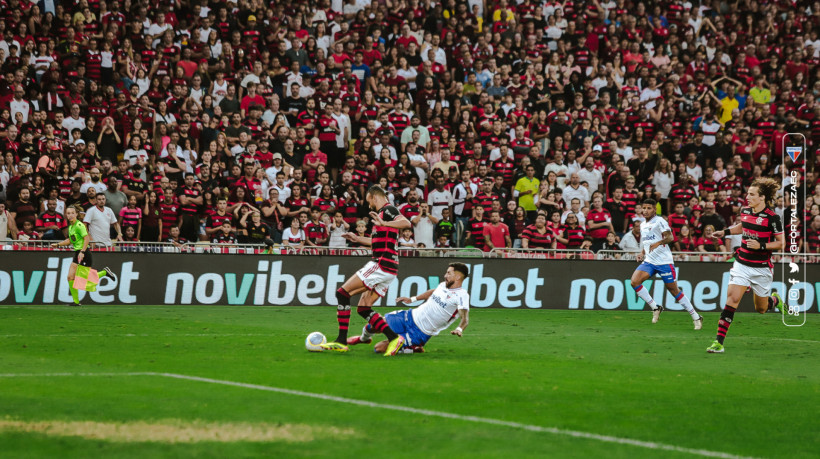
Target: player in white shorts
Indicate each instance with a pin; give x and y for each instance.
(656, 258)
(372, 280)
(437, 313)
(762, 232)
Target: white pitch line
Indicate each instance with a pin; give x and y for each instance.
(407, 409)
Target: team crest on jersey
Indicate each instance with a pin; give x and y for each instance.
(759, 220)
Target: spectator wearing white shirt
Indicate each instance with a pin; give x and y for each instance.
(576, 190)
(424, 225)
(74, 121)
(438, 199)
(591, 175)
(574, 209)
(99, 219)
(631, 241)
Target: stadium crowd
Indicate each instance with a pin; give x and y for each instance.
(491, 123)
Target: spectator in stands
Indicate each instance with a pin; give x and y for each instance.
(496, 234)
(631, 241)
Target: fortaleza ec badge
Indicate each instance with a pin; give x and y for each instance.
(794, 152)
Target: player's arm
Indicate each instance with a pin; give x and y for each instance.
(422, 297)
(668, 238)
(399, 222)
(353, 237)
(734, 229)
(777, 244)
(464, 315)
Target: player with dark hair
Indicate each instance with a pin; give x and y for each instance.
(656, 258)
(374, 278)
(79, 239)
(439, 310)
(762, 232)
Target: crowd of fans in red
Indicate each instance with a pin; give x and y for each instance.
(491, 123)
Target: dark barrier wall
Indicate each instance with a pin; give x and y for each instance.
(39, 278)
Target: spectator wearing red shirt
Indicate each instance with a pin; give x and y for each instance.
(313, 160)
(598, 221)
(496, 234)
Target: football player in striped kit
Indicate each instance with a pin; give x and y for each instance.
(374, 278)
(762, 232)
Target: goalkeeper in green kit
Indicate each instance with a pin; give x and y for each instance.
(79, 239)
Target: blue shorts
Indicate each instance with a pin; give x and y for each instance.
(667, 272)
(402, 323)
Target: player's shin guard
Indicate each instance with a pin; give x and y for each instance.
(725, 322)
(342, 314)
(684, 301)
(376, 322)
(644, 295)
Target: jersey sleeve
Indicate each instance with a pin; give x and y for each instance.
(390, 213)
(464, 301)
(664, 226)
(776, 224)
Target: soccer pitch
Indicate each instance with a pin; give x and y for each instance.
(123, 381)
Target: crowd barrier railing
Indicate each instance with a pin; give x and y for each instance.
(280, 249)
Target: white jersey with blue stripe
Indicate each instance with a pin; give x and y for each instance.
(441, 309)
(652, 232)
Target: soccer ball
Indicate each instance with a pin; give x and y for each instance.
(314, 340)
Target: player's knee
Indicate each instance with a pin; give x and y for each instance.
(635, 283)
(342, 297)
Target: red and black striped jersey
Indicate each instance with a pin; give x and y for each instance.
(574, 236)
(676, 222)
(763, 227)
(485, 200)
(47, 219)
(169, 213)
(215, 220)
(384, 241)
(408, 210)
(476, 228)
(682, 193)
(315, 231)
(192, 193)
(506, 169)
(538, 240)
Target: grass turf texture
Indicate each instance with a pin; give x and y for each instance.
(604, 372)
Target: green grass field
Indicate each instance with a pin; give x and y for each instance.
(87, 381)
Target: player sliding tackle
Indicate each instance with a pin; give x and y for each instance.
(656, 235)
(439, 311)
(79, 239)
(372, 280)
(762, 232)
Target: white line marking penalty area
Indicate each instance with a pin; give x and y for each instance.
(406, 409)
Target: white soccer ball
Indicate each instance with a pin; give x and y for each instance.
(314, 341)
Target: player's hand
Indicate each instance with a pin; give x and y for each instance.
(376, 219)
(349, 236)
(718, 234)
(654, 246)
(80, 257)
(119, 238)
(403, 299)
(753, 244)
(639, 257)
(55, 245)
(456, 332)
